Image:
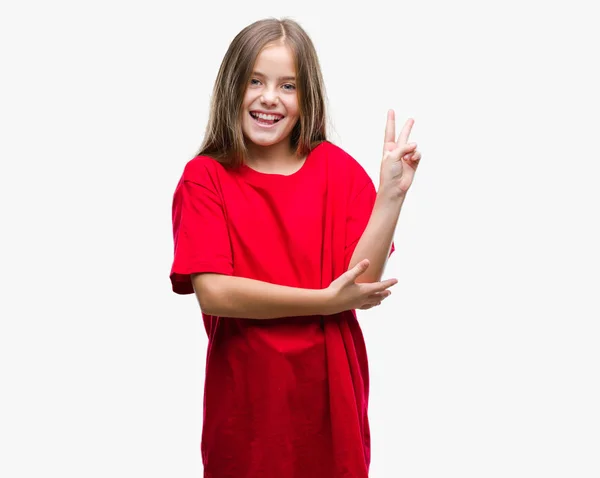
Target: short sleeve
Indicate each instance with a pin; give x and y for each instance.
(200, 233)
(358, 217)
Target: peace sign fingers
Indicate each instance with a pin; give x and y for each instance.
(400, 158)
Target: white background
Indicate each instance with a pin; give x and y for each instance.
(485, 360)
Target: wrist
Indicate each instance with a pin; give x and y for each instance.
(390, 194)
(388, 198)
(326, 302)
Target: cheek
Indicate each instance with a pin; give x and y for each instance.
(245, 122)
(249, 98)
(293, 108)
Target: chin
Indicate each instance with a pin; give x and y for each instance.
(266, 140)
(265, 143)
(258, 142)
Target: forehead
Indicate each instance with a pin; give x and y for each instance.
(276, 61)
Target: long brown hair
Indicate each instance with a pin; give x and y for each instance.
(224, 139)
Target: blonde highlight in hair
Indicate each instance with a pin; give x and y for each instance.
(224, 139)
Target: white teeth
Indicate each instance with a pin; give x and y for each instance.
(266, 117)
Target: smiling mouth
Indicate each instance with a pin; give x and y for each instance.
(263, 121)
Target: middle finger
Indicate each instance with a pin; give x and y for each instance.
(405, 133)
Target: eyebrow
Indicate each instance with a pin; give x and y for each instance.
(281, 78)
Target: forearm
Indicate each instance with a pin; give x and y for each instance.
(376, 242)
(239, 297)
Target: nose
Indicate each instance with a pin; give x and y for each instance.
(269, 97)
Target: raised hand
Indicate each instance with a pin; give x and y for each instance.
(400, 158)
(345, 294)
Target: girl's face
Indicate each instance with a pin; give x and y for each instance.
(271, 91)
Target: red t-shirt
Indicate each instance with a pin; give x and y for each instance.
(286, 397)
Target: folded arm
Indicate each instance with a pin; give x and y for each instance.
(238, 297)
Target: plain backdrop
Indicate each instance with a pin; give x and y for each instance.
(485, 360)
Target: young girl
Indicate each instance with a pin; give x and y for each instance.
(281, 235)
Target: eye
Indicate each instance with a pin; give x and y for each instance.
(292, 87)
(252, 80)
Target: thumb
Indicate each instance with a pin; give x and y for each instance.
(358, 269)
(402, 150)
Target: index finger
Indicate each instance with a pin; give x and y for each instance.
(390, 127)
(405, 133)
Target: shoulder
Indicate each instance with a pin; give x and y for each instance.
(201, 175)
(201, 168)
(204, 171)
(335, 152)
(346, 166)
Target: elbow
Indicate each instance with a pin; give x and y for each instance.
(367, 279)
(372, 274)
